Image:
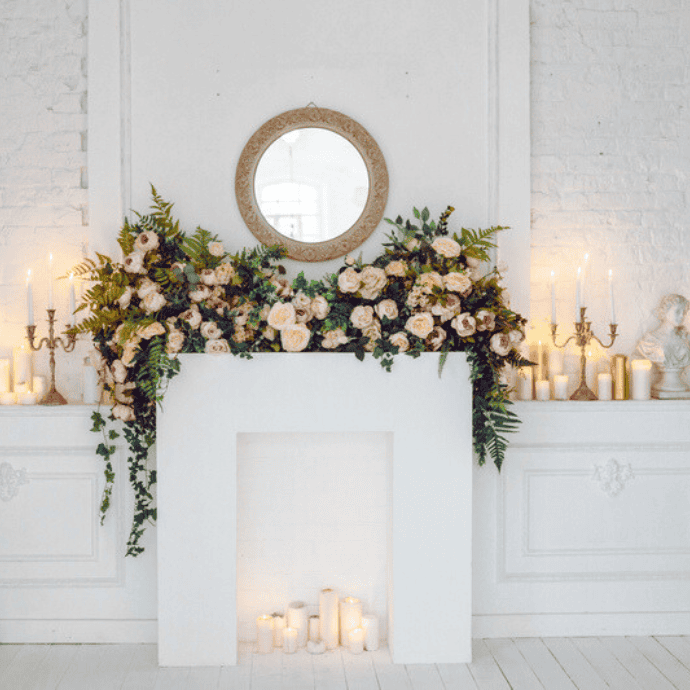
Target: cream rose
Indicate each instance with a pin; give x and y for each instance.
(516, 336)
(301, 301)
(396, 268)
(412, 244)
(331, 339)
(121, 392)
(210, 330)
(282, 314)
(464, 325)
(320, 307)
(436, 338)
(302, 315)
(349, 280)
(208, 276)
(401, 341)
(134, 262)
(216, 249)
(269, 333)
(362, 316)
(125, 298)
(500, 344)
(294, 338)
(458, 282)
(417, 298)
(350, 260)
(200, 293)
(373, 281)
(119, 371)
(373, 332)
(429, 281)
(420, 324)
(152, 329)
(486, 320)
(282, 286)
(192, 316)
(241, 334)
(146, 241)
(224, 273)
(445, 246)
(123, 412)
(128, 355)
(154, 301)
(387, 308)
(447, 311)
(217, 346)
(175, 342)
(146, 287)
(243, 311)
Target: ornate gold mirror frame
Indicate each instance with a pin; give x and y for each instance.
(340, 124)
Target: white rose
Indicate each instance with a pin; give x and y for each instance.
(200, 293)
(192, 317)
(362, 316)
(302, 315)
(429, 281)
(373, 332)
(125, 298)
(420, 324)
(175, 342)
(457, 282)
(269, 333)
(217, 346)
(464, 325)
(129, 353)
(349, 280)
(134, 263)
(119, 371)
(146, 241)
(282, 314)
(447, 311)
(445, 246)
(294, 338)
(153, 329)
(146, 287)
(123, 412)
(387, 308)
(224, 273)
(301, 301)
(243, 311)
(216, 249)
(412, 244)
(241, 334)
(516, 336)
(208, 276)
(210, 330)
(320, 307)
(154, 301)
(436, 338)
(331, 339)
(486, 320)
(121, 392)
(350, 260)
(500, 344)
(282, 285)
(373, 281)
(396, 268)
(416, 298)
(400, 340)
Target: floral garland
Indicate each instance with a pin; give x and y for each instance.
(176, 293)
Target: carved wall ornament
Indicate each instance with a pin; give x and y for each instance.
(10, 481)
(612, 477)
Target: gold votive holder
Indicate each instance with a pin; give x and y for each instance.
(621, 384)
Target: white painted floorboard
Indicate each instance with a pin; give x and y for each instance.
(586, 663)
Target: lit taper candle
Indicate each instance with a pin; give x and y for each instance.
(50, 281)
(613, 304)
(72, 299)
(29, 300)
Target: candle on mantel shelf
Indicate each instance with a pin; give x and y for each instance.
(578, 294)
(27, 398)
(555, 362)
(613, 304)
(560, 387)
(50, 281)
(4, 375)
(356, 640)
(553, 297)
(525, 383)
(542, 362)
(543, 390)
(641, 385)
(605, 386)
(290, 640)
(29, 299)
(8, 398)
(23, 367)
(264, 634)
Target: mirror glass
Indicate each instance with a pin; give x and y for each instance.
(311, 184)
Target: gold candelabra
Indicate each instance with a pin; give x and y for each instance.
(52, 397)
(583, 336)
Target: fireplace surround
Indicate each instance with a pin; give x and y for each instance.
(216, 397)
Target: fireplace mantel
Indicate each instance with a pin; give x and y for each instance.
(215, 397)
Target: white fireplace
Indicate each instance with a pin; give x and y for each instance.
(423, 421)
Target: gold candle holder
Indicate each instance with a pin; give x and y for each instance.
(583, 336)
(52, 397)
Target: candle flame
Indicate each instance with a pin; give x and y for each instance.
(610, 274)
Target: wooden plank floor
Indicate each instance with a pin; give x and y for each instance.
(587, 663)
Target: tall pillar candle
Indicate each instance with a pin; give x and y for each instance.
(641, 387)
(620, 377)
(4, 375)
(314, 633)
(525, 383)
(543, 390)
(297, 619)
(555, 362)
(328, 617)
(264, 634)
(370, 625)
(350, 617)
(23, 367)
(278, 628)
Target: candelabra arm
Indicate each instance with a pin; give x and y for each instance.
(554, 328)
(612, 335)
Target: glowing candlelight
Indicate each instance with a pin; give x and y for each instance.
(50, 281)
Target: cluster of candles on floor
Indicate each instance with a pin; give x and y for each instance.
(340, 622)
(626, 379)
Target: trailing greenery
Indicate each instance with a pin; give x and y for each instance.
(175, 292)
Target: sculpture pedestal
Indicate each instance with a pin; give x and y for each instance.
(430, 532)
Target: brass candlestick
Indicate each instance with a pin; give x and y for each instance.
(52, 397)
(582, 337)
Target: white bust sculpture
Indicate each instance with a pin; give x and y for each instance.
(668, 347)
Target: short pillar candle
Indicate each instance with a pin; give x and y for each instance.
(525, 383)
(297, 619)
(356, 640)
(641, 379)
(370, 625)
(543, 388)
(604, 386)
(278, 628)
(264, 634)
(290, 640)
(350, 617)
(560, 386)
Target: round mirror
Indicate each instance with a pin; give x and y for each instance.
(314, 181)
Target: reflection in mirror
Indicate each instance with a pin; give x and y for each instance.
(311, 184)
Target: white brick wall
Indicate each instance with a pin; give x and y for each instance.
(610, 156)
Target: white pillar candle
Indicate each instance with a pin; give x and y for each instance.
(278, 628)
(560, 387)
(555, 362)
(605, 386)
(4, 375)
(553, 297)
(22, 365)
(50, 281)
(613, 304)
(39, 386)
(316, 647)
(314, 632)
(355, 640)
(370, 624)
(29, 300)
(72, 299)
(641, 385)
(525, 378)
(542, 365)
(27, 398)
(297, 619)
(8, 398)
(264, 634)
(328, 617)
(543, 390)
(289, 640)
(350, 617)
